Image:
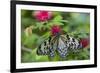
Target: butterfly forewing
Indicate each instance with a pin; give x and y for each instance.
(62, 48)
(53, 46)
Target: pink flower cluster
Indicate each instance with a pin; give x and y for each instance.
(85, 42)
(55, 29)
(42, 15)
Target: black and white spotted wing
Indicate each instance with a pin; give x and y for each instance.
(60, 44)
(43, 48)
(62, 48)
(72, 43)
(47, 47)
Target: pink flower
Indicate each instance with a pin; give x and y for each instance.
(42, 15)
(55, 29)
(85, 42)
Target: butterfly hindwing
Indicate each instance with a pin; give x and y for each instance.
(43, 48)
(72, 43)
(47, 47)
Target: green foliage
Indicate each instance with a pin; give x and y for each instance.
(75, 24)
(57, 18)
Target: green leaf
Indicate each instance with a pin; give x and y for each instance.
(57, 23)
(39, 25)
(28, 57)
(57, 18)
(46, 35)
(41, 58)
(30, 41)
(65, 21)
(27, 22)
(66, 29)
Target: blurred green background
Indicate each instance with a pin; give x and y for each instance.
(34, 32)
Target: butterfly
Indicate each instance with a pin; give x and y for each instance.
(61, 44)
